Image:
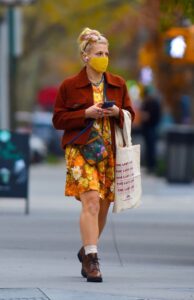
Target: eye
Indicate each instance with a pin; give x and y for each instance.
(99, 53)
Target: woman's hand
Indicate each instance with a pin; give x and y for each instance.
(111, 111)
(95, 111)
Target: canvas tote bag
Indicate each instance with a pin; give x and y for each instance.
(128, 188)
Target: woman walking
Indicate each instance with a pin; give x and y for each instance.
(80, 112)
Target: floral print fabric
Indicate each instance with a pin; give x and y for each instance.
(82, 177)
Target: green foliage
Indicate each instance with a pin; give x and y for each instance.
(53, 159)
(174, 11)
(51, 29)
(62, 21)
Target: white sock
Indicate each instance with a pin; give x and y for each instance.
(90, 249)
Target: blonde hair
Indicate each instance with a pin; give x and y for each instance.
(88, 37)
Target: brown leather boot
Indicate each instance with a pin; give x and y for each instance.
(91, 268)
(80, 256)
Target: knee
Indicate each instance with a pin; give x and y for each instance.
(93, 206)
(90, 203)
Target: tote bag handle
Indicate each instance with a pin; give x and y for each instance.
(124, 136)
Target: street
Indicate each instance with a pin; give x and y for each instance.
(145, 253)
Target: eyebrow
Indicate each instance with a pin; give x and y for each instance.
(102, 52)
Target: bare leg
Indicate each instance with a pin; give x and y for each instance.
(89, 218)
(102, 217)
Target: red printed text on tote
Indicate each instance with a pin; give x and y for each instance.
(125, 177)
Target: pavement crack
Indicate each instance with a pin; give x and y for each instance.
(44, 294)
(115, 242)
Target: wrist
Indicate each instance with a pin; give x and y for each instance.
(117, 113)
(86, 114)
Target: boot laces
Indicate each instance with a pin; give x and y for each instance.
(95, 263)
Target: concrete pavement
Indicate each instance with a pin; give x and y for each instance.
(147, 253)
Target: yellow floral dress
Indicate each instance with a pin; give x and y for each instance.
(82, 177)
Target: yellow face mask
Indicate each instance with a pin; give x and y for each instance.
(99, 64)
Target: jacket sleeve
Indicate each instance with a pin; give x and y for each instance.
(126, 104)
(63, 117)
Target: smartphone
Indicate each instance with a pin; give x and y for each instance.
(108, 104)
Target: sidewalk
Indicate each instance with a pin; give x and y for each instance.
(145, 253)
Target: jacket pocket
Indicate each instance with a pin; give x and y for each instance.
(75, 104)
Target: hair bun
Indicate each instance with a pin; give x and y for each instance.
(89, 37)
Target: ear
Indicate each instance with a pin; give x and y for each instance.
(84, 58)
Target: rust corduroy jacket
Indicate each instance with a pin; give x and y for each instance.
(75, 95)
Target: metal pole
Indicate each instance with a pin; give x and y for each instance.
(12, 66)
(15, 50)
(4, 75)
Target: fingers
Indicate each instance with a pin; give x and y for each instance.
(99, 104)
(98, 112)
(112, 111)
(108, 112)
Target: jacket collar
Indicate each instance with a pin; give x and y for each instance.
(112, 80)
(82, 79)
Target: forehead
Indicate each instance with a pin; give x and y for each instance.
(98, 47)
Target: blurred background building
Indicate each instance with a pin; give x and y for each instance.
(151, 46)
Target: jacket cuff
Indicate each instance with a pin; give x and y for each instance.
(120, 119)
